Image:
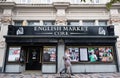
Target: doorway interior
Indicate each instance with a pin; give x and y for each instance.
(33, 57)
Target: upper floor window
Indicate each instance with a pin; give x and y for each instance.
(18, 23)
(88, 23)
(48, 23)
(33, 23)
(25, 1)
(73, 23)
(46, 1)
(102, 22)
(75, 1)
(96, 1)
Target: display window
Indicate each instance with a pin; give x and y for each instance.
(14, 54)
(49, 54)
(91, 54)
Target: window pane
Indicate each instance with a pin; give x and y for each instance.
(97, 1)
(18, 23)
(73, 23)
(46, 1)
(48, 23)
(88, 23)
(33, 23)
(26, 1)
(102, 23)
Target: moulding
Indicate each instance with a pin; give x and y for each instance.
(2, 44)
(6, 19)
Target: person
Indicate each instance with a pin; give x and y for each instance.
(67, 63)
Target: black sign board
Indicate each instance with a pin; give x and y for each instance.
(60, 30)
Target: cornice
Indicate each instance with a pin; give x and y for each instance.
(116, 6)
(7, 4)
(34, 5)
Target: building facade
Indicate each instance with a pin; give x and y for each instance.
(34, 35)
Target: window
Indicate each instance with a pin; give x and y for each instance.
(73, 23)
(48, 23)
(33, 23)
(49, 54)
(75, 1)
(46, 1)
(96, 1)
(88, 23)
(18, 23)
(91, 54)
(102, 23)
(25, 1)
(14, 54)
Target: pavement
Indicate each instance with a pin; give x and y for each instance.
(40, 75)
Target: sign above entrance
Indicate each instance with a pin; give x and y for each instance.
(61, 30)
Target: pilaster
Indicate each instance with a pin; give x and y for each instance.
(115, 20)
(60, 12)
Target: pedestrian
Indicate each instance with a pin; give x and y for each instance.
(67, 63)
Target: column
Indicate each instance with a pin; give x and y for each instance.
(80, 23)
(115, 20)
(5, 21)
(41, 22)
(96, 23)
(60, 62)
(61, 14)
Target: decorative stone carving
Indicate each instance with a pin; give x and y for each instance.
(2, 44)
(60, 21)
(6, 19)
(24, 23)
(114, 19)
(118, 44)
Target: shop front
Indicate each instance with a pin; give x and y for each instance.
(92, 48)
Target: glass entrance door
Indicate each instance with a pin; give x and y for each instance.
(33, 58)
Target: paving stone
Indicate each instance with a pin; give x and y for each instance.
(38, 75)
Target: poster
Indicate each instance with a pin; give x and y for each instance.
(105, 54)
(93, 54)
(74, 54)
(49, 54)
(83, 54)
(14, 54)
